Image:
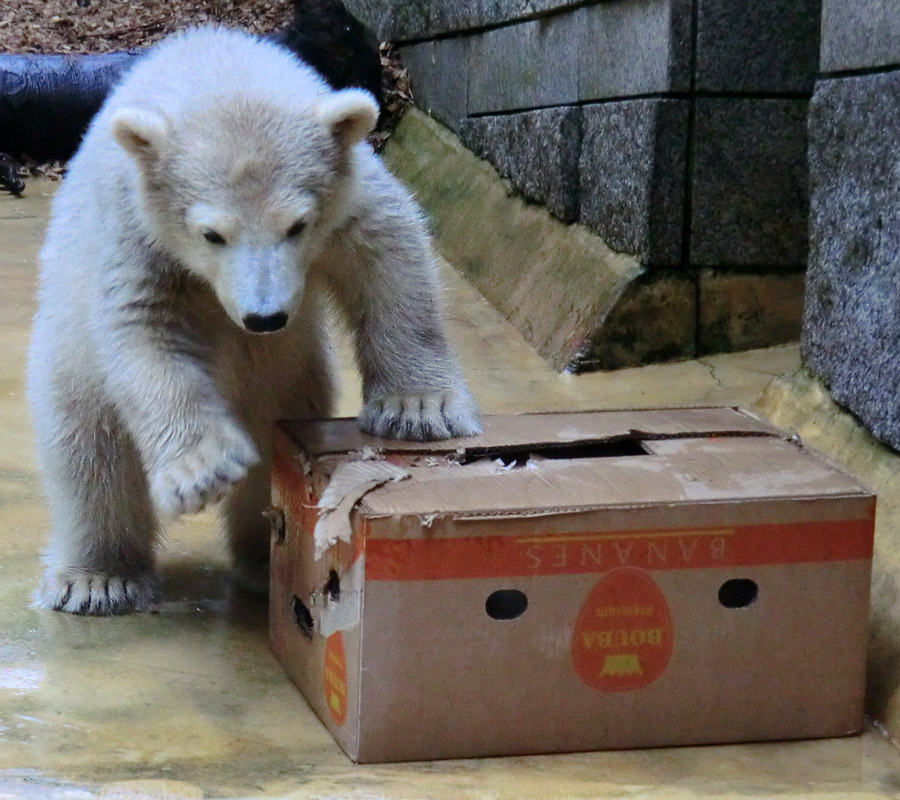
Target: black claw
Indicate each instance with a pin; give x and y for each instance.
(65, 598)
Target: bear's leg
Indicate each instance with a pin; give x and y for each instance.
(246, 527)
(100, 559)
(412, 384)
(307, 394)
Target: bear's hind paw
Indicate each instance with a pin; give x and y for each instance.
(96, 594)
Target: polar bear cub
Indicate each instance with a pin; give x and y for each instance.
(222, 197)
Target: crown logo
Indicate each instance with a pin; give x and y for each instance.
(620, 664)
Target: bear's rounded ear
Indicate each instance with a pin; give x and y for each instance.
(140, 132)
(350, 115)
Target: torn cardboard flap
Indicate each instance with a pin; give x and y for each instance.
(349, 482)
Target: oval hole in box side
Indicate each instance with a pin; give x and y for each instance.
(506, 604)
(738, 593)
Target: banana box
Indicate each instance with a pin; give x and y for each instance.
(569, 582)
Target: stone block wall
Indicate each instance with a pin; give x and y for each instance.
(851, 330)
(673, 129)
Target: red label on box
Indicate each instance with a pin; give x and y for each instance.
(335, 678)
(623, 636)
(571, 554)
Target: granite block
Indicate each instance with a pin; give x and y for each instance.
(633, 47)
(425, 19)
(851, 331)
(437, 72)
(632, 180)
(761, 46)
(397, 22)
(454, 16)
(739, 311)
(749, 183)
(494, 12)
(859, 34)
(524, 66)
(538, 151)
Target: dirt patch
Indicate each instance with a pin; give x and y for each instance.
(100, 26)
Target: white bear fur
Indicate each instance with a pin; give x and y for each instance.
(150, 398)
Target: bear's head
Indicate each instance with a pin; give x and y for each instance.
(244, 193)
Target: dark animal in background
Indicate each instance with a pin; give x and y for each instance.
(336, 45)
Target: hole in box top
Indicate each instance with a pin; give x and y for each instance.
(738, 593)
(506, 604)
(518, 456)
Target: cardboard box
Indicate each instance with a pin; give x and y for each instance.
(570, 582)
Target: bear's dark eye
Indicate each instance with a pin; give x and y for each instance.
(215, 238)
(296, 229)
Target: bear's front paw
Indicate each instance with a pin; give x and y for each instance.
(422, 417)
(202, 473)
(98, 594)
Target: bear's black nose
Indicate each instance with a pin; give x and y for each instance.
(259, 324)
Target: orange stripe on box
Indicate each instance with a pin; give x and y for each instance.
(572, 554)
